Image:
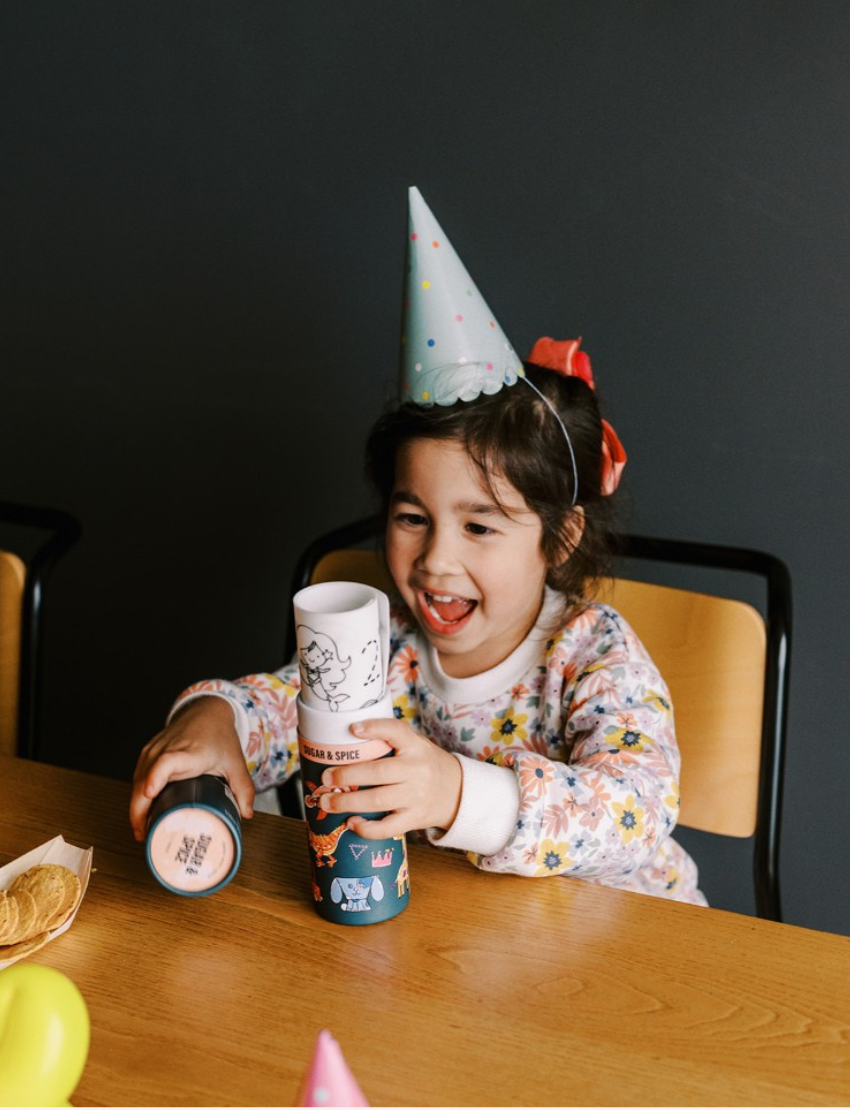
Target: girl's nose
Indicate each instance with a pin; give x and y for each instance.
(438, 555)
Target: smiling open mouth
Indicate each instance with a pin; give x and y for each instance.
(446, 610)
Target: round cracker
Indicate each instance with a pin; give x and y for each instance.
(23, 947)
(29, 917)
(45, 884)
(11, 921)
(73, 892)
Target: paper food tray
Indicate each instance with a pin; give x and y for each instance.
(58, 851)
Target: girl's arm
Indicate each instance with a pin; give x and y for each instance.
(265, 719)
(244, 730)
(604, 812)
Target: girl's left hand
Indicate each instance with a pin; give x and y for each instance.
(418, 787)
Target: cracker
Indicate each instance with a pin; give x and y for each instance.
(10, 924)
(73, 892)
(23, 947)
(44, 882)
(38, 901)
(29, 918)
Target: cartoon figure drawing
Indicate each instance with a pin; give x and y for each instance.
(314, 882)
(370, 660)
(356, 892)
(311, 800)
(402, 879)
(324, 844)
(322, 667)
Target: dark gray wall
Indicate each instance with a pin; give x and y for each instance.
(203, 214)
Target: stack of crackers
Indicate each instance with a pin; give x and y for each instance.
(37, 902)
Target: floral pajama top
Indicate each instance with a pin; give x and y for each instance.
(568, 750)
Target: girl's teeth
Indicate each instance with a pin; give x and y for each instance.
(448, 608)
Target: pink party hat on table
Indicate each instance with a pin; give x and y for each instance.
(329, 1081)
(452, 347)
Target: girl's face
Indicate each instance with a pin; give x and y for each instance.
(472, 575)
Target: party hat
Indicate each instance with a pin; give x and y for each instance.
(452, 347)
(329, 1081)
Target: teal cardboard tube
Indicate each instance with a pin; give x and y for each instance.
(194, 840)
(355, 881)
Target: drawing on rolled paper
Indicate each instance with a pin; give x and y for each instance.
(321, 666)
(353, 894)
(357, 850)
(372, 663)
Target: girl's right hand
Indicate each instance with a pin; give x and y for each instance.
(200, 740)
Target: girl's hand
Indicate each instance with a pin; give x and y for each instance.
(419, 786)
(201, 740)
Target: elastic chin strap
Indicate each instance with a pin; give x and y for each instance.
(554, 412)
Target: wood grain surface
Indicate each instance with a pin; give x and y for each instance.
(488, 990)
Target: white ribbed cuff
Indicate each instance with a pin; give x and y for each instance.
(489, 807)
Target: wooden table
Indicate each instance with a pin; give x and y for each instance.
(487, 990)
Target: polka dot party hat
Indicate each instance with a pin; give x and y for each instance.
(452, 347)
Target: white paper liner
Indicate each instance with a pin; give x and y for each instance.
(57, 850)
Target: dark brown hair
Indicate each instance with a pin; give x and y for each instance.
(513, 433)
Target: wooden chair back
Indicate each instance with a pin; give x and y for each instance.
(711, 652)
(23, 586)
(353, 565)
(727, 667)
(12, 579)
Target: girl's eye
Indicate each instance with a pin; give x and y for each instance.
(411, 519)
(479, 529)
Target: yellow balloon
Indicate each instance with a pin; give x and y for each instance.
(44, 1036)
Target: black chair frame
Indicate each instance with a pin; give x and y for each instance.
(778, 619)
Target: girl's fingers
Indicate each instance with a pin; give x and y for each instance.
(377, 772)
(376, 799)
(148, 786)
(393, 824)
(398, 734)
(242, 786)
(173, 766)
(139, 806)
(170, 767)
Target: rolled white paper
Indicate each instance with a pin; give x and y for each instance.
(342, 633)
(320, 727)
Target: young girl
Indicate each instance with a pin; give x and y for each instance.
(532, 729)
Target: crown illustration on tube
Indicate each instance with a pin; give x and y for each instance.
(452, 347)
(382, 859)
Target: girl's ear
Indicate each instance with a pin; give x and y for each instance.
(571, 532)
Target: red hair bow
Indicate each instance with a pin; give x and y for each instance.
(565, 358)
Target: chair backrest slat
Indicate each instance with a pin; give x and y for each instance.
(353, 565)
(12, 579)
(22, 619)
(711, 652)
